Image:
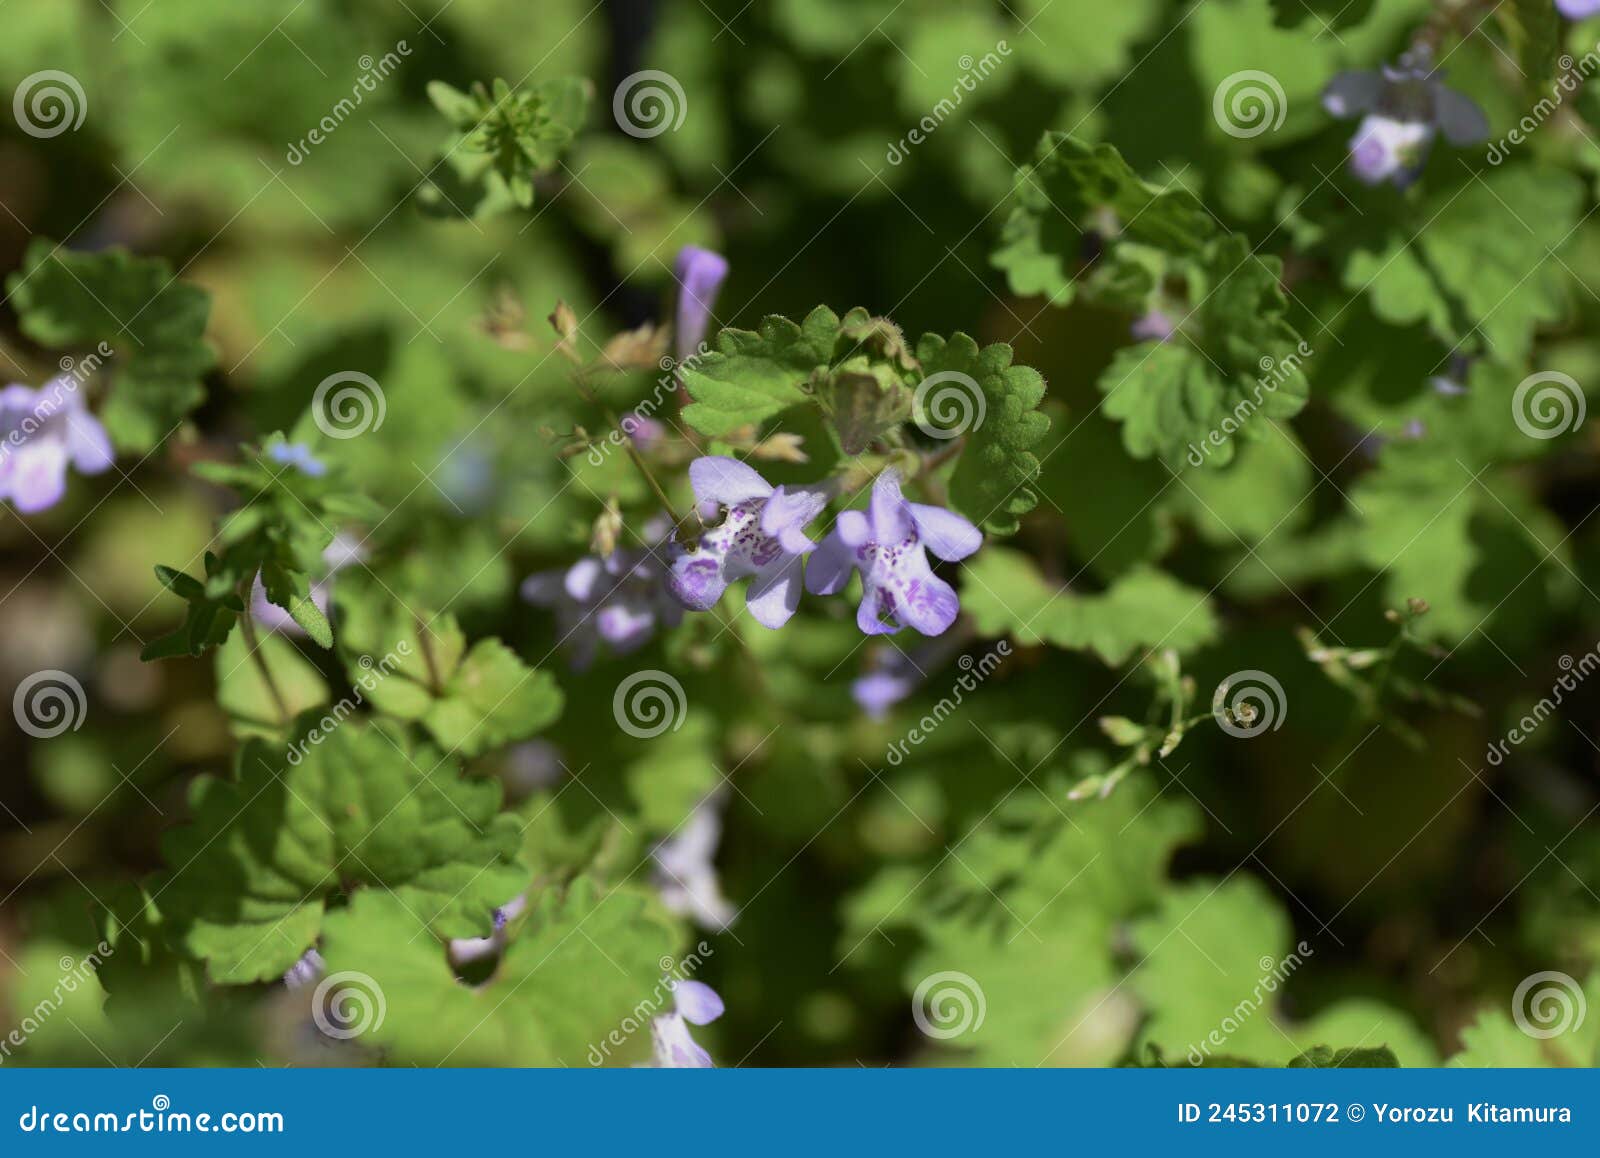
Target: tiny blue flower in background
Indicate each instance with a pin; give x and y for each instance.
(531, 766)
(466, 475)
(886, 544)
(620, 600)
(464, 950)
(700, 275)
(1402, 107)
(685, 875)
(1578, 9)
(305, 971)
(1153, 325)
(673, 1047)
(762, 537)
(42, 432)
(298, 455)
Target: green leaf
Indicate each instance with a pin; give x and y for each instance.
(1324, 1057)
(1550, 1006)
(1141, 610)
(343, 806)
(153, 325)
(1036, 891)
(256, 708)
(1234, 365)
(1001, 422)
(1071, 189)
(416, 666)
(507, 137)
(580, 965)
(1214, 960)
(753, 376)
(1475, 262)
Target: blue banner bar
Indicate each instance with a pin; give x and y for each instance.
(807, 1112)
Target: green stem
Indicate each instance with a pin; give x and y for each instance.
(252, 640)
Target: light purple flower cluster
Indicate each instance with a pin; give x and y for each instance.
(619, 600)
(762, 536)
(1403, 107)
(42, 432)
(1578, 9)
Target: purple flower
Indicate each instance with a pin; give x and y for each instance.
(299, 456)
(700, 274)
(643, 431)
(885, 685)
(306, 970)
(1402, 108)
(619, 600)
(762, 536)
(1153, 325)
(1578, 9)
(685, 875)
(673, 1047)
(891, 674)
(41, 432)
(886, 544)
